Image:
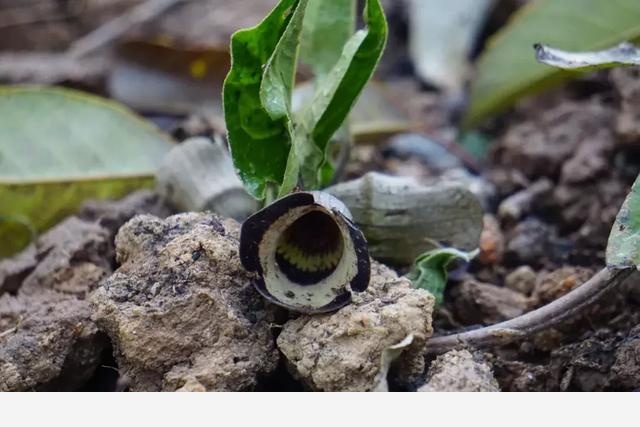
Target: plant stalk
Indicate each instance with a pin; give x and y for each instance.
(528, 324)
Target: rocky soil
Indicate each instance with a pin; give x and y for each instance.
(127, 296)
(167, 306)
(123, 296)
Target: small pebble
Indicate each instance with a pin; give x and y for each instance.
(434, 155)
(522, 279)
(491, 242)
(521, 203)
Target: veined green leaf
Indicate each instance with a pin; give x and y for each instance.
(328, 25)
(273, 148)
(260, 143)
(59, 147)
(507, 70)
(276, 88)
(430, 270)
(333, 99)
(623, 249)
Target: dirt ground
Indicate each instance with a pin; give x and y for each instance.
(556, 169)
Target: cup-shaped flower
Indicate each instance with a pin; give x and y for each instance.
(308, 253)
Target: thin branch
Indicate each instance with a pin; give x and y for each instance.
(116, 27)
(545, 317)
(37, 12)
(49, 68)
(7, 332)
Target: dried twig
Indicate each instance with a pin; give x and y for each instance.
(545, 317)
(49, 68)
(8, 332)
(116, 27)
(75, 64)
(37, 12)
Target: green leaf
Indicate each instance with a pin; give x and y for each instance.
(273, 149)
(372, 119)
(279, 76)
(475, 143)
(623, 249)
(260, 139)
(620, 55)
(507, 70)
(334, 98)
(328, 25)
(430, 270)
(59, 147)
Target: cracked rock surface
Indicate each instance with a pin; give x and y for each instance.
(181, 311)
(47, 338)
(50, 343)
(342, 351)
(460, 370)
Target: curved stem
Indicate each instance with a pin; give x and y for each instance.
(545, 317)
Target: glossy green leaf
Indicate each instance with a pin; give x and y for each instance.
(274, 149)
(507, 70)
(620, 55)
(373, 119)
(59, 147)
(279, 76)
(430, 270)
(334, 98)
(623, 249)
(328, 25)
(260, 140)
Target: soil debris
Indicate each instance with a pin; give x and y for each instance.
(14, 270)
(530, 243)
(481, 303)
(112, 214)
(552, 285)
(522, 279)
(181, 321)
(343, 351)
(600, 363)
(521, 203)
(48, 340)
(626, 81)
(491, 242)
(460, 371)
(72, 258)
(541, 144)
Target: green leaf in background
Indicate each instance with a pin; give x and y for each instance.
(259, 144)
(623, 249)
(506, 71)
(620, 55)
(334, 98)
(59, 147)
(430, 270)
(475, 143)
(327, 27)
